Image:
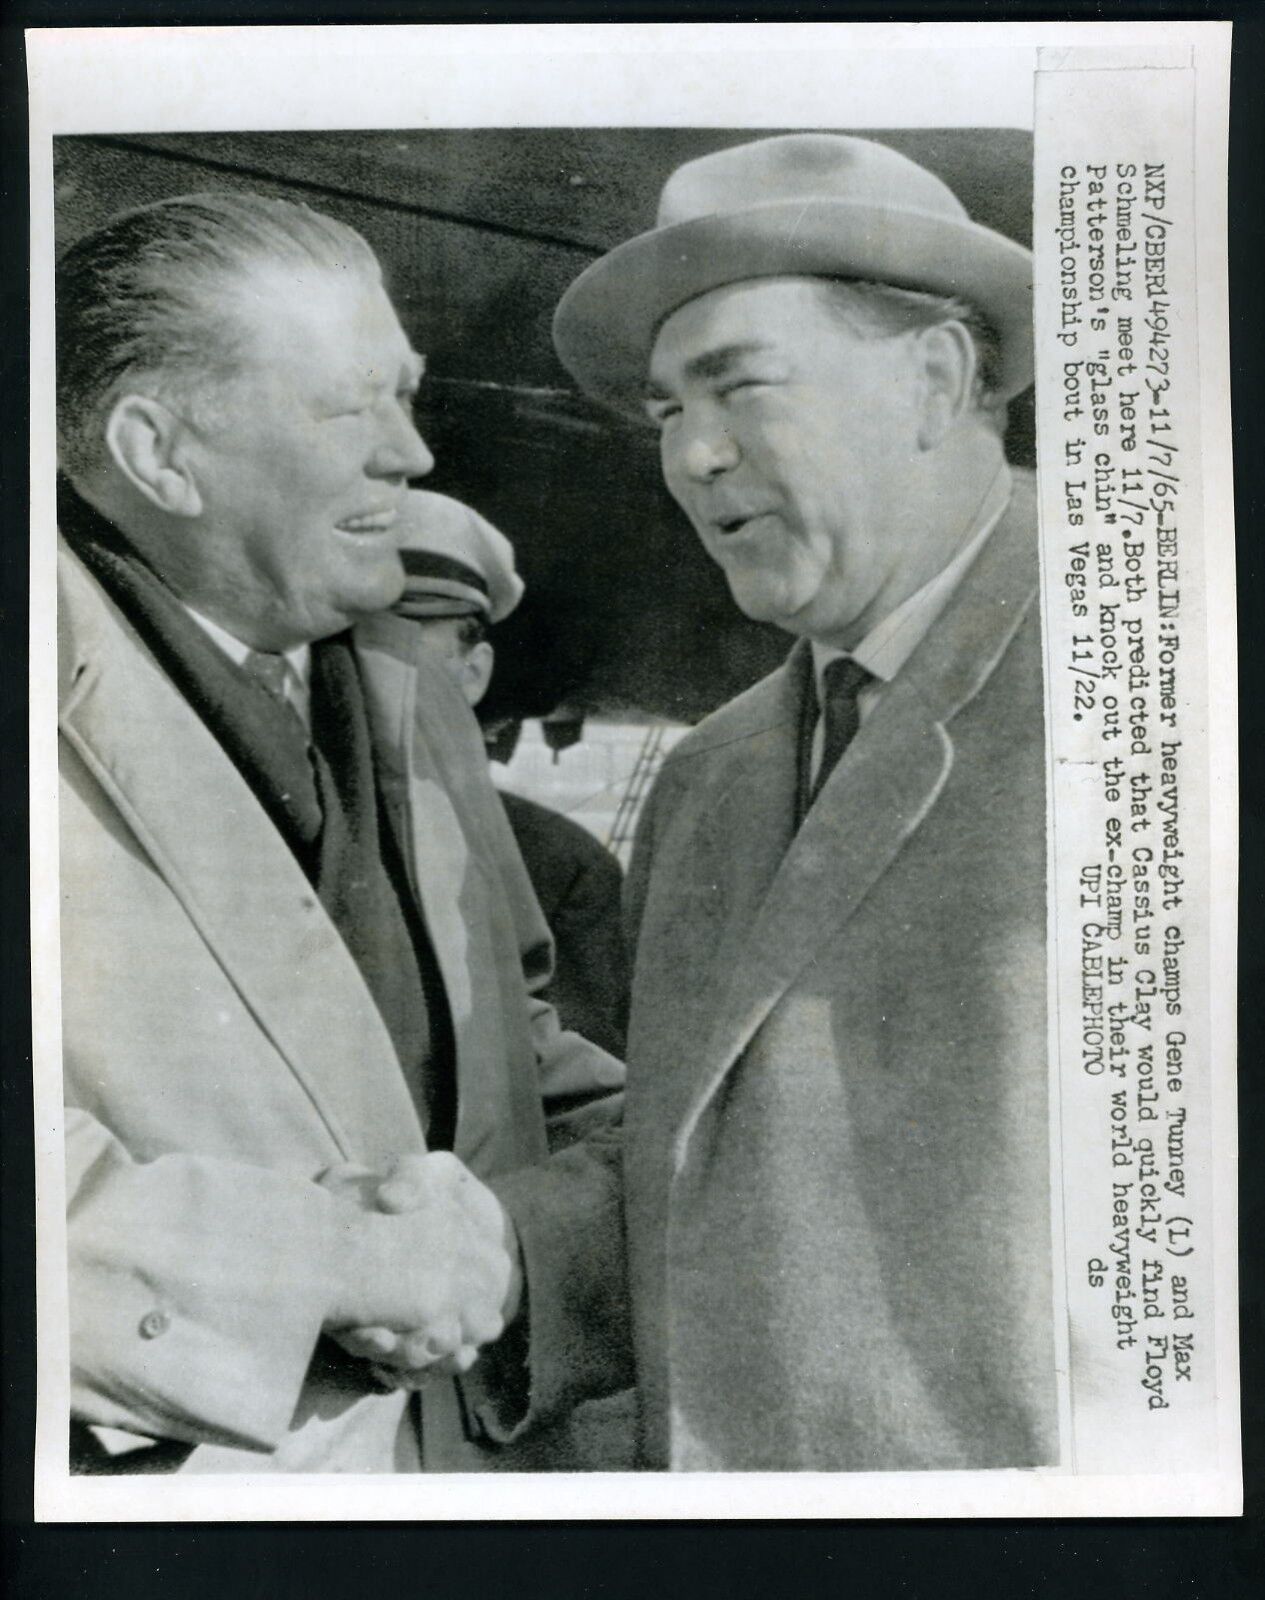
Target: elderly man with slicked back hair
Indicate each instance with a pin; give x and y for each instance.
(315, 1223)
(836, 1167)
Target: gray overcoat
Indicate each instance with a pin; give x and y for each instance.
(222, 1049)
(836, 1164)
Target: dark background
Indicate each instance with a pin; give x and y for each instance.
(480, 232)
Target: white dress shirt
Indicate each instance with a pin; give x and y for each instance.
(891, 642)
(297, 685)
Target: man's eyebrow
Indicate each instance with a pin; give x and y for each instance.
(714, 363)
(711, 364)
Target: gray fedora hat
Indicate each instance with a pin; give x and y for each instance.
(801, 204)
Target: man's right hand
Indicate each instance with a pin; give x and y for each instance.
(428, 1277)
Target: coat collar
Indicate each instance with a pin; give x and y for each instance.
(263, 922)
(801, 890)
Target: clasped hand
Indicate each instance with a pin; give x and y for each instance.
(436, 1272)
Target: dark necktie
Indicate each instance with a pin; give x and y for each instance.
(841, 683)
(271, 672)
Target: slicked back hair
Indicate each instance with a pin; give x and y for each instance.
(881, 309)
(146, 299)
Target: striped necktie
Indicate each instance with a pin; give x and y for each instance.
(272, 673)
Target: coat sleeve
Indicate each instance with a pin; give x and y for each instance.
(200, 1286)
(574, 1342)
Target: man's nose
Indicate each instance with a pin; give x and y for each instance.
(401, 450)
(707, 450)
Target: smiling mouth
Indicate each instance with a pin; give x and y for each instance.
(368, 523)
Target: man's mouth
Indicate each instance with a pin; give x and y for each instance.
(728, 526)
(368, 523)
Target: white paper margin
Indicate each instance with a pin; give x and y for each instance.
(759, 75)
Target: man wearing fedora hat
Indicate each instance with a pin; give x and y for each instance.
(836, 1162)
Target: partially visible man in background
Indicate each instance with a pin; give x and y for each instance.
(460, 579)
(295, 929)
(836, 1169)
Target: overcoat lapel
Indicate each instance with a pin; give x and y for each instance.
(264, 924)
(879, 795)
(863, 815)
(749, 825)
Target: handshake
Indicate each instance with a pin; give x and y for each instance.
(432, 1269)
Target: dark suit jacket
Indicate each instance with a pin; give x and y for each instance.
(579, 885)
(836, 1159)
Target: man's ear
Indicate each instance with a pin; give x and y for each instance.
(144, 438)
(476, 671)
(948, 373)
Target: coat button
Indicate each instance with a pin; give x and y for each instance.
(153, 1323)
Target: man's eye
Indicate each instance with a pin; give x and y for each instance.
(740, 384)
(661, 411)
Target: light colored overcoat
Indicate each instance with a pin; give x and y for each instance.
(222, 1049)
(837, 1160)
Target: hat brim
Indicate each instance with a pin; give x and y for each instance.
(440, 607)
(606, 323)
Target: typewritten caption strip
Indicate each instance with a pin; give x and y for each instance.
(1126, 545)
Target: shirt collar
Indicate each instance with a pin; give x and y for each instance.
(299, 659)
(891, 642)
